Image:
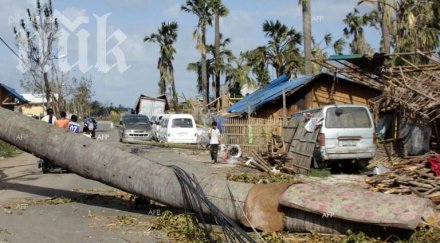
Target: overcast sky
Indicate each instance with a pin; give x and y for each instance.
(136, 18)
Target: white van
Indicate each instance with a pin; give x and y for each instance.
(347, 133)
(178, 128)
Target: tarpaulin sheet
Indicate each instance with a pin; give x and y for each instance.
(414, 138)
(358, 205)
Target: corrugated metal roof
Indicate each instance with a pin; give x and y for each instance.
(20, 98)
(268, 93)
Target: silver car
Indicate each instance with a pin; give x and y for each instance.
(135, 128)
(347, 133)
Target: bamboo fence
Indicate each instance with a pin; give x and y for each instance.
(252, 134)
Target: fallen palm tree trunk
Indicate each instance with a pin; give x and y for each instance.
(101, 162)
(112, 166)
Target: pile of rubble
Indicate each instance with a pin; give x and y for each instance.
(271, 160)
(408, 176)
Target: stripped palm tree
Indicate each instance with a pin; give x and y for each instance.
(307, 32)
(166, 36)
(220, 10)
(203, 10)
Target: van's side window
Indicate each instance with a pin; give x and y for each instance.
(347, 117)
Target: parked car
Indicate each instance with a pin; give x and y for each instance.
(347, 133)
(178, 128)
(134, 128)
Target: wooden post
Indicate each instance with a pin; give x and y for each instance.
(284, 108)
(249, 110)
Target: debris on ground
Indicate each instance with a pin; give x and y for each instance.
(181, 228)
(408, 176)
(272, 159)
(262, 178)
(32, 201)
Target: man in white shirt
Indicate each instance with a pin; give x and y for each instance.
(214, 141)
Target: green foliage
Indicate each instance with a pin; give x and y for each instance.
(359, 238)
(426, 234)
(7, 150)
(324, 172)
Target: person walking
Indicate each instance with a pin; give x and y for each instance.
(63, 122)
(214, 141)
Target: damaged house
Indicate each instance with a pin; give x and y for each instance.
(406, 112)
(301, 94)
(9, 98)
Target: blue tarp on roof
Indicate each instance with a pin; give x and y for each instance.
(20, 98)
(268, 93)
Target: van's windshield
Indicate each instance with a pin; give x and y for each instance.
(347, 117)
(182, 123)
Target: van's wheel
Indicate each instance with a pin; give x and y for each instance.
(363, 164)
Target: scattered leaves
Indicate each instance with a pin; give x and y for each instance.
(181, 227)
(261, 178)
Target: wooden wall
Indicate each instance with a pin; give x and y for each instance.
(316, 94)
(345, 93)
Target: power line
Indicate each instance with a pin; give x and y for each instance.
(4, 42)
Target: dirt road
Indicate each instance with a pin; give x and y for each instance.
(56, 207)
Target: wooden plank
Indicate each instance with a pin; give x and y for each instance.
(302, 146)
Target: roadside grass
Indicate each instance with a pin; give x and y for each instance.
(322, 172)
(7, 150)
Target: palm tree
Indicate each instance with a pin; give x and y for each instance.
(385, 8)
(282, 51)
(197, 68)
(307, 32)
(221, 56)
(166, 35)
(220, 10)
(203, 10)
(319, 51)
(417, 26)
(355, 27)
(256, 58)
(238, 75)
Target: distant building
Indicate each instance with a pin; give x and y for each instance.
(10, 99)
(150, 106)
(36, 105)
